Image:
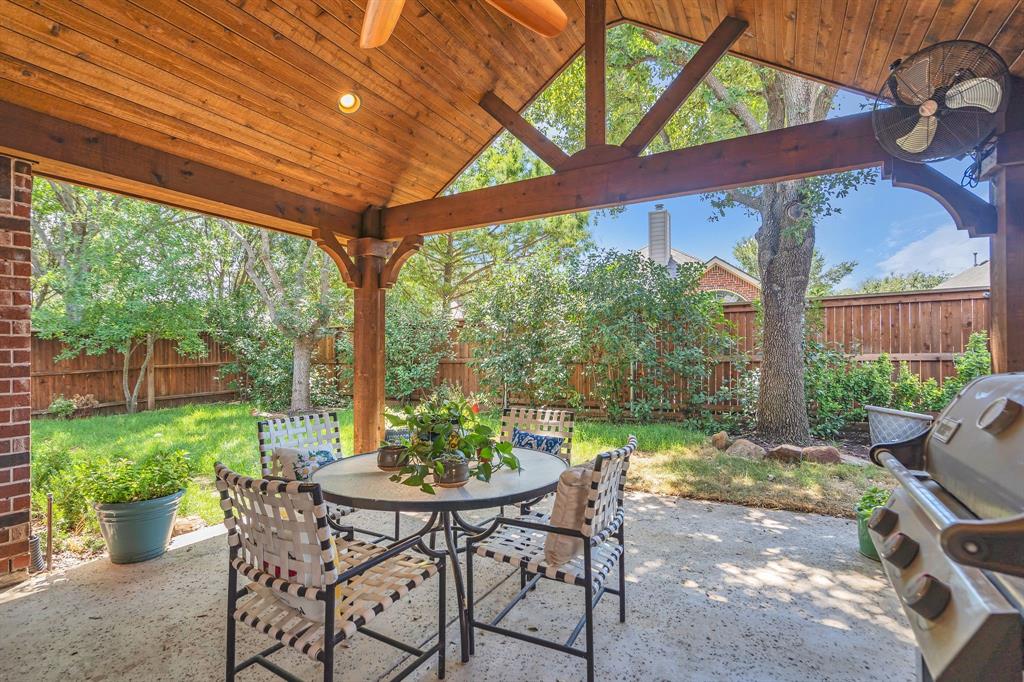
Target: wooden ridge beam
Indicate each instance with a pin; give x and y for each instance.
(969, 211)
(81, 155)
(595, 24)
(683, 85)
(524, 131)
(827, 146)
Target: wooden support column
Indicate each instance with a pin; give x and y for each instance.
(370, 266)
(594, 56)
(1007, 271)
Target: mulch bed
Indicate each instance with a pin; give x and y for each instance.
(853, 442)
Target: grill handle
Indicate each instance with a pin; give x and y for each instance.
(992, 544)
(937, 512)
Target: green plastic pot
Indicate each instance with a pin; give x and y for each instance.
(138, 531)
(867, 548)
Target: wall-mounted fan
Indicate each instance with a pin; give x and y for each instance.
(542, 16)
(941, 102)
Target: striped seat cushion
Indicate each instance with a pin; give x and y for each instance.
(525, 547)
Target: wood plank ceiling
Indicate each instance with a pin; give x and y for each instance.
(249, 86)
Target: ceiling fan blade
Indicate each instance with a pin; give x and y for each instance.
(379, 22)
(542, 16)
(918, 139)
(912, 84)
(975, 92)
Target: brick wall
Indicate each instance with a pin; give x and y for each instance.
(15, 353)
(716, 277)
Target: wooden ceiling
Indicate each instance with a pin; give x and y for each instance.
(249, 86)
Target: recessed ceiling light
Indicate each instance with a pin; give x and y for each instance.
(349, 103)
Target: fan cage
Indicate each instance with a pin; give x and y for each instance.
(928, 75)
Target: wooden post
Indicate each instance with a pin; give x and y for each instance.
(368, 356)
(151, 375)
(1007, 271)
(594, 56)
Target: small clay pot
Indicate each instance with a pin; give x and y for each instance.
(391, 457)
(456, 474)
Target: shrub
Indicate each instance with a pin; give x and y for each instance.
(872, 497)
(911, 393)
(61, 407)
(121, 480)
(974, 362)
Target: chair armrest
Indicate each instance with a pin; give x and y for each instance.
(610, 529)
(519, 523)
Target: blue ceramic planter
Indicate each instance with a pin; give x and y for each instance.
(137, 531)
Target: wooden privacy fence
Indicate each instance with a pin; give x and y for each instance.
(924, 328)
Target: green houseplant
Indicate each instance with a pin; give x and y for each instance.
(447, 447)
(136, 502)
(873, 497)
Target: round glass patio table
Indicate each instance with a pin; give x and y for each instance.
(357, 482)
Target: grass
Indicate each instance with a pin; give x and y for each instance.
(672, 459)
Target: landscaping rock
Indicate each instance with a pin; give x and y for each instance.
(822, 454)
(787, 454)
(721, 440)
(744, 448)
(187, 524)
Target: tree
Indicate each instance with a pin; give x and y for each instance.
(822, 280)
(449, 268)
(300, 288)
(132, 288)
(910, 281)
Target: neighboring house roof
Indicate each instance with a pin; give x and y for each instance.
(729, 267)
(677, 255)
(976, 276)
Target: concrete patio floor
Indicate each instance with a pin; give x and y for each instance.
(714, 592)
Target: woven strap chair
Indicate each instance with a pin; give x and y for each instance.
(317, 431)
(307, 589)
(541, 421)
(520, 542)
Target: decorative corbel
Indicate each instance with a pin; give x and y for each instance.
(350, 274)
(969, 211)
(403, 252)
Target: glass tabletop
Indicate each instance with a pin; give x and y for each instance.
(357, 482)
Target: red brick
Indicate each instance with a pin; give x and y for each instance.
(5, 477)
(20, 473)
(14, 430)
(21, 269)
(21, 357)
(20, 385)
(15, 312)
(20, 342)
(22, 444)
(13, 548)
(21, 239)
(5, 536)
(21, 414)
(21, 502)
(8, 401)
(14, 489)
(19, 562)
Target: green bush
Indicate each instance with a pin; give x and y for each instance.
(121, 480)
(912, 394)
(974, 362)
(62, 407)
(872, 497)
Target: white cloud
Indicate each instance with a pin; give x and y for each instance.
(945, 249)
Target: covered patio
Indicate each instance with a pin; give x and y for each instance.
(231, 109)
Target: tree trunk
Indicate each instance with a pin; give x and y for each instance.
(130, 406)
(785, 251)
(302, 355)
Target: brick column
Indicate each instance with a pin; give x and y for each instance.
(15, 353)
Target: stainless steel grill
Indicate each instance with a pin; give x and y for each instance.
(951, 538)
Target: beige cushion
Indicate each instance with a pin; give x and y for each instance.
(567, 512)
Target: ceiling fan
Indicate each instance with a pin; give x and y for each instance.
(542, 16)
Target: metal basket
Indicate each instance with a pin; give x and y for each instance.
(894, 426)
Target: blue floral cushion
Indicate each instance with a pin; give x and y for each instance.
(308, 461)
(533, 441)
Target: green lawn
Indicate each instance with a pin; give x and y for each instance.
(671, 459)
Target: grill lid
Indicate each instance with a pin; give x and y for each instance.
(976, 448)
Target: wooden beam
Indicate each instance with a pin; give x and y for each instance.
(594, 56)
(828, 146)
(82, 155)
(535, 141)
(683, 85)
(969, 211)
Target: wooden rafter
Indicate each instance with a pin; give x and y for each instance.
(594, 56)
(969, 211)
(84, 156)
(813, 149)
(524, 131)
(692, 75)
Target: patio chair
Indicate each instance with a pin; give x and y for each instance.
(320, 430)
(543, 422)
(529, 541)
(309, 590)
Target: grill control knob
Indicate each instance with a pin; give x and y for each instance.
(999, 415)
(883, 520)
(900, 550)
(928, 596)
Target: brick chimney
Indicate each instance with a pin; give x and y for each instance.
(659, 235)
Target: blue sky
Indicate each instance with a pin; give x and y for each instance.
(883, 228)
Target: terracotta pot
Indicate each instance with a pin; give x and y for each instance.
(391, 457)
(456, 475)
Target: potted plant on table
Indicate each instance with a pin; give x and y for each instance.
(136, 502)
(447, 448)
(873, 497)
